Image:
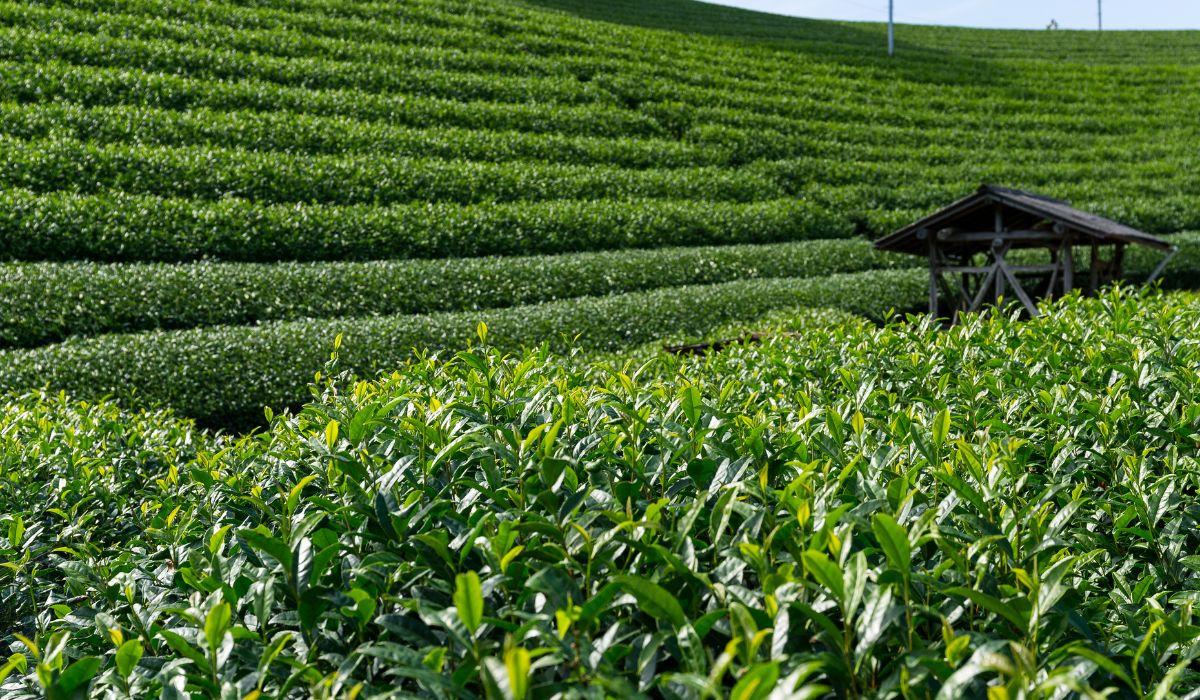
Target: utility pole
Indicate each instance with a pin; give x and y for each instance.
(892, 28)
(1099, 15)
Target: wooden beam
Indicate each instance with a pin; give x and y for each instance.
(977, 302)
(1162, 265)
(1019, 269)
(1017, 289)
(998, 248)
(1118, 262)
(1056, 261)
(976, 236)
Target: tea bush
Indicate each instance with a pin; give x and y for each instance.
(46, 302)
(190, 370)
(1004, 509)
(121, 227)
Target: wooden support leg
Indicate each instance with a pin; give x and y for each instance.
(933, 278)
(1054, 260)
(1094, 276)
(1068, 266)
(984, 285)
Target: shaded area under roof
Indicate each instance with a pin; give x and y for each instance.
(1019, 211)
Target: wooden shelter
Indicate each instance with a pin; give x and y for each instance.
(968, 245)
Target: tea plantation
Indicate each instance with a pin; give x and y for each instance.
(196, 197)
(493, 213)
(1004, 509)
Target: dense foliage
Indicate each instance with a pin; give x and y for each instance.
(1005, 508)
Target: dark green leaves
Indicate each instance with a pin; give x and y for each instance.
(653, 599)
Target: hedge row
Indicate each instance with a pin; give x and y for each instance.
(116, 227)
(879, 151)
(329, 135)
(90, 85)
(486, 76)
(34, 46)
(213, 173)
(46, 302)
(224, 375)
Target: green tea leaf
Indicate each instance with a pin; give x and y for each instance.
(653, 599)
(516, 661)
(894, 541)
(825, 572)
(128, 655)
(216, 624)
(468, 600)
(757, 682)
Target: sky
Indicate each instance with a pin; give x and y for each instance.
(1011, 14)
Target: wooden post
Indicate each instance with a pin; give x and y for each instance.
(1118, 262)
(1068, 265)
(933, 270)
(1094, 275)
(1057, 265)
(997, 257)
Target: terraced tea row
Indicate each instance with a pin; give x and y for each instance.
(46, 302)
(115, 227)
(839, 142)
(189, 370)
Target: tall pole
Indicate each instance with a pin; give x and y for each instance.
(892, 28)
(1099, 15)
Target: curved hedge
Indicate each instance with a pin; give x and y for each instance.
(46, 302)
(206, 172)
(224, 375)
(118, 227)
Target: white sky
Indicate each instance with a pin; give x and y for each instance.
(1013, 14)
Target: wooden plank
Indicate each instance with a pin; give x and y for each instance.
(1162, 265)
(977, 302)
(1057, 260)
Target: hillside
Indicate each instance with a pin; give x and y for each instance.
(438, 244)
(174, 173)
